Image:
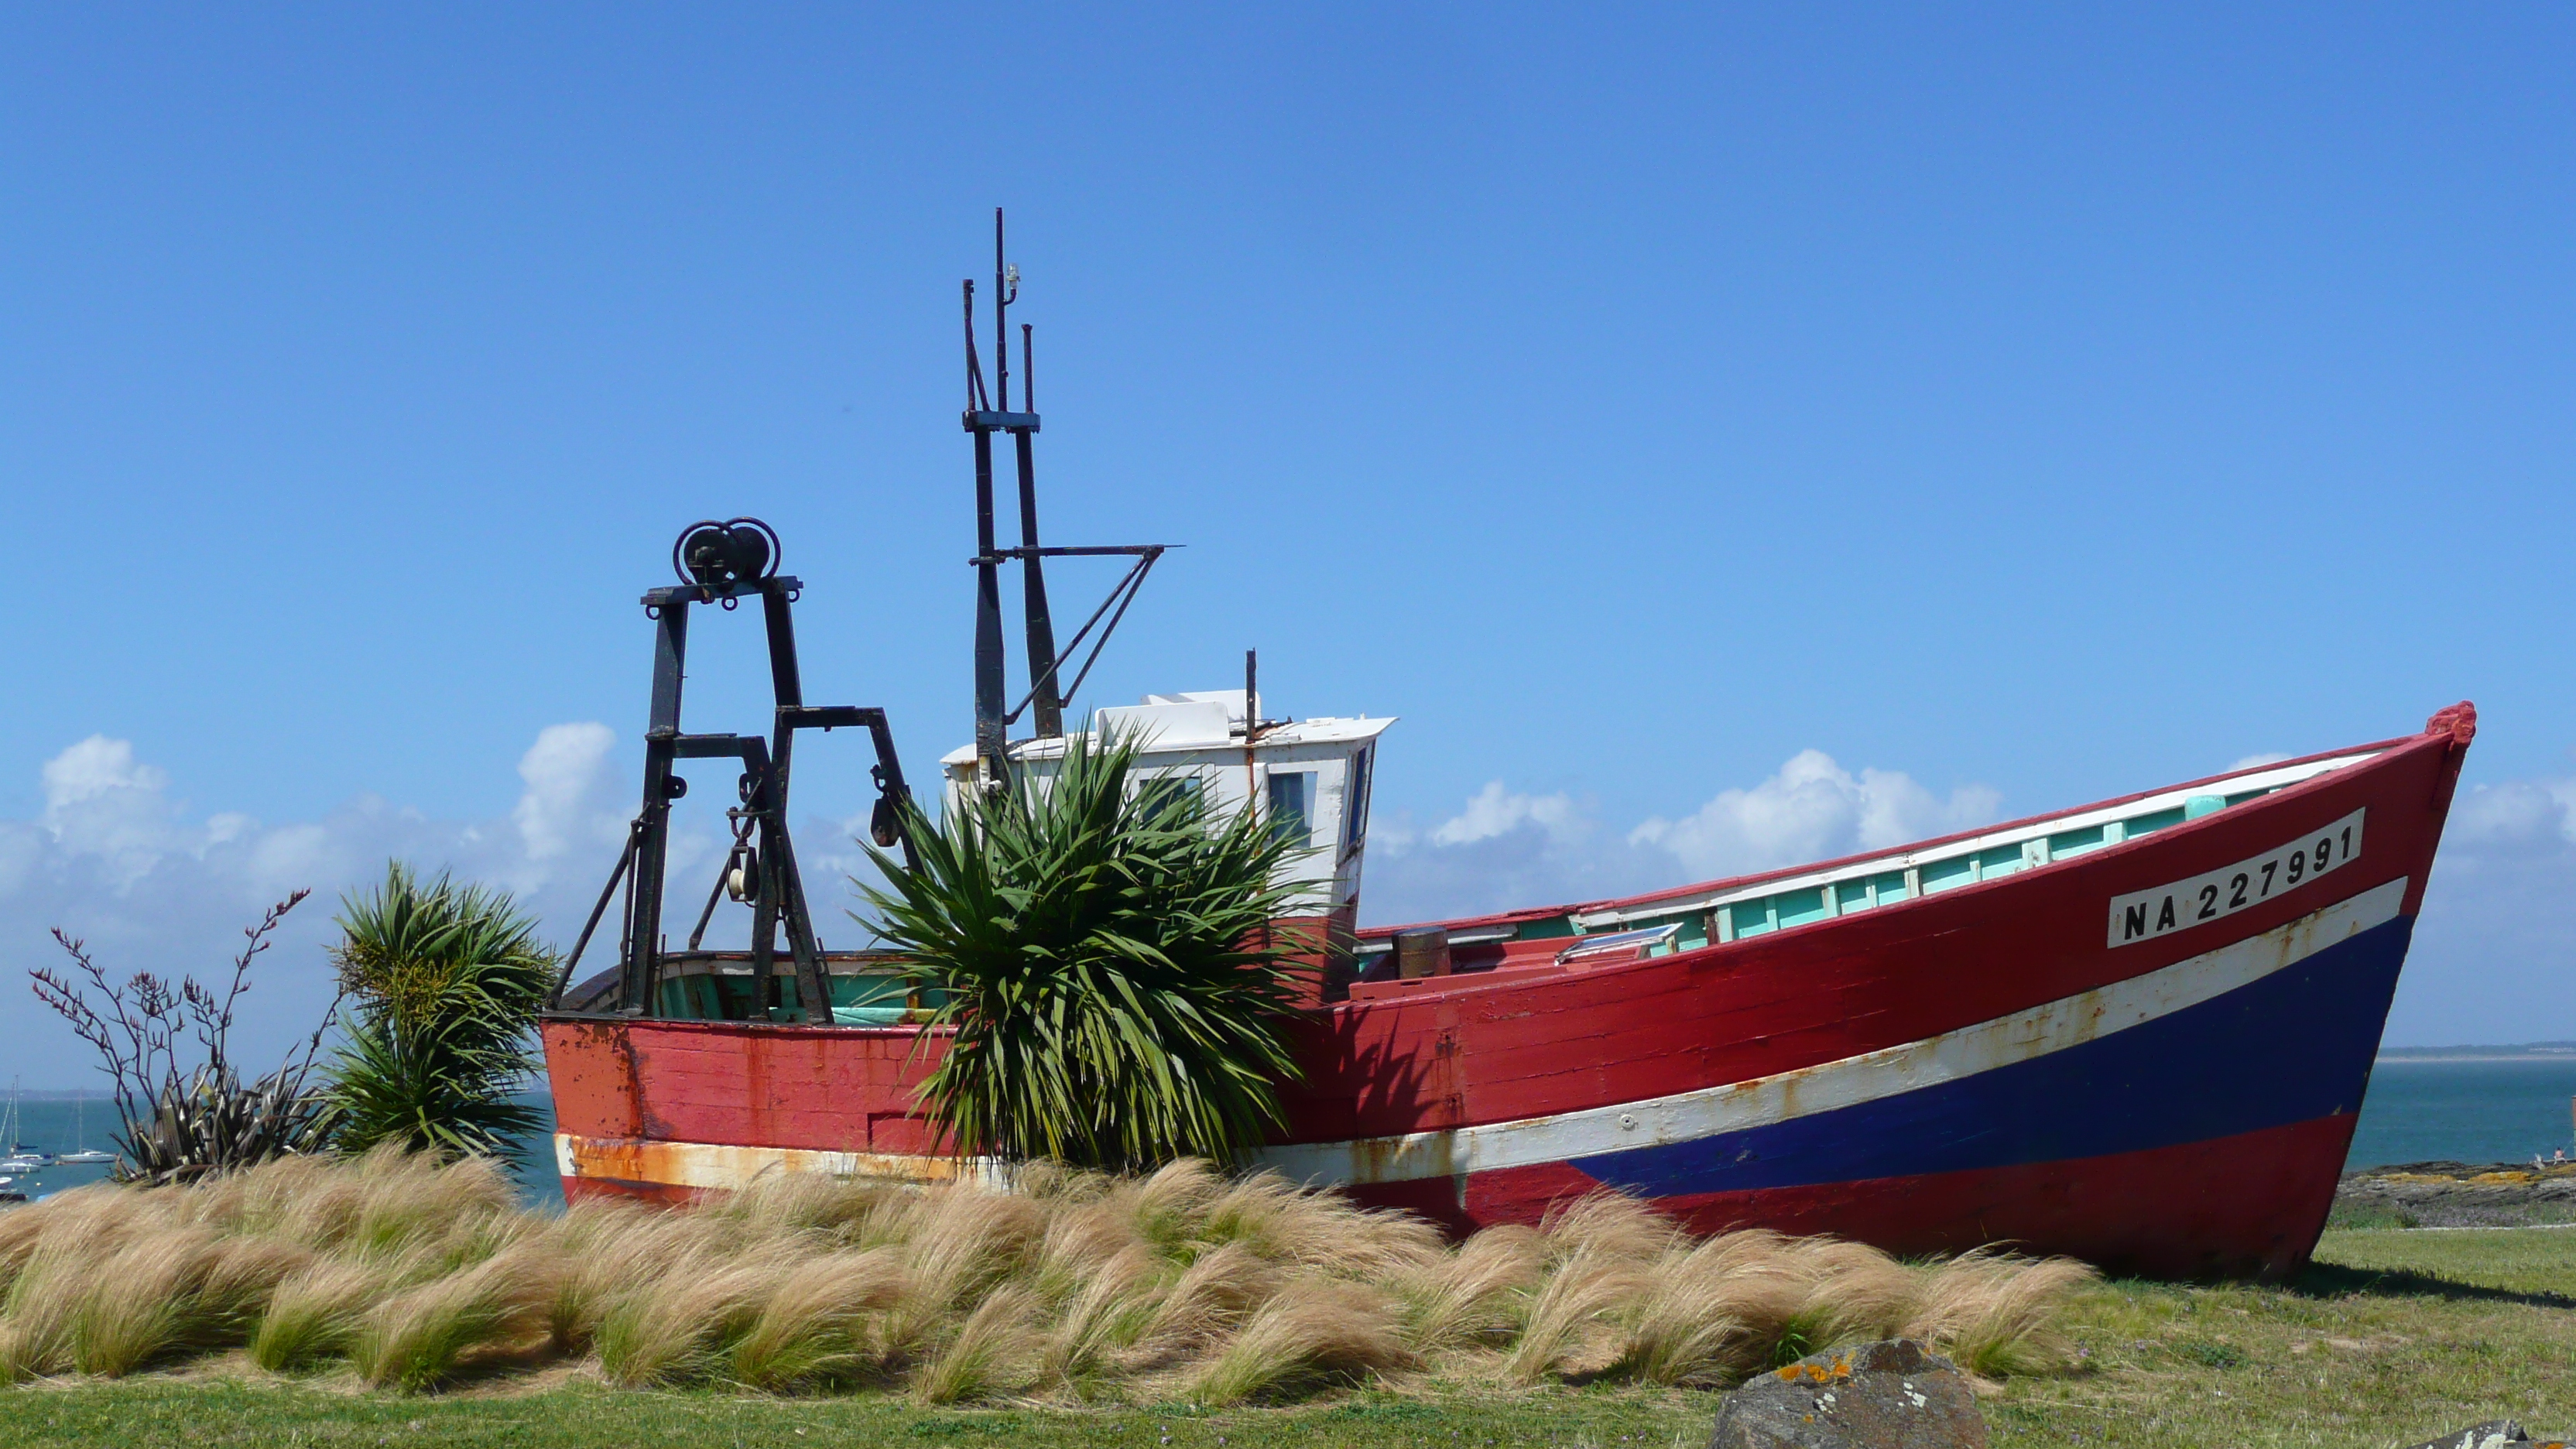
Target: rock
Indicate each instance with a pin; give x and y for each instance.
(1891, 1395)
(2494, 1434)
(2461, 1194)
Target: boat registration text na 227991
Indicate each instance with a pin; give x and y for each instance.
(2143, 915)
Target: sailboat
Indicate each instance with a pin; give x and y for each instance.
(82, 1154)
(21, 1158)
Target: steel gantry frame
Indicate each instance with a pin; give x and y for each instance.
(724, 564)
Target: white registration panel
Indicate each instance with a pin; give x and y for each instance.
(2144, 915)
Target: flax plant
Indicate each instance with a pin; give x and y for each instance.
(1107, 960)
(188, 1115)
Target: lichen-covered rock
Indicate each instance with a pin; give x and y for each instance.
(2494, 1434)
(2462, 1194)
(1891, 1395)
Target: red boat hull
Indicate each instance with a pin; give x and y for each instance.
(1966, 1066)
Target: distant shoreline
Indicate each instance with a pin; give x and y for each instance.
(2393, 1059)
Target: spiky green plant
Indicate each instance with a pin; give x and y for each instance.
(1107, 958)
(447, 980)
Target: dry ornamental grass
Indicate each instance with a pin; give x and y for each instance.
(1075, 1286)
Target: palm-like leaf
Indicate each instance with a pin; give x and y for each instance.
(1109, 963)
(448, 979)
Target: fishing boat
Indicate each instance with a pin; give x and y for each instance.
(2135, 1031)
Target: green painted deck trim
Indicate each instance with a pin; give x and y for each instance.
(1797, 908)
(2149, 824)
(2076, 842)
(1736, 920)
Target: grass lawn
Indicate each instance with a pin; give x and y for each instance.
(2392, 1337)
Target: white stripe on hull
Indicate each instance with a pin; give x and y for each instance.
(1829, 1086)
(732, 1167)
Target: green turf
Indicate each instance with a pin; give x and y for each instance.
(215, 1412)
(2394, 1336)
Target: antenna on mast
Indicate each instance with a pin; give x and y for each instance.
(987, 414)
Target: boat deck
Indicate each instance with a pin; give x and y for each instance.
(1521, 944)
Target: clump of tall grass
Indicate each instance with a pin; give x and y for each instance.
(316, 1313)
(494, 1309)
(408, 1273)
(1314, 1329)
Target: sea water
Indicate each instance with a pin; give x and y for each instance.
(2416, 1111)
(63, 1124)
(2502, 1110)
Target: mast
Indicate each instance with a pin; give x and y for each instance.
(1043, 696)
(985, 415)
(1041, 629)
(991, 729)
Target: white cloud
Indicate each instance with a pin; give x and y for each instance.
(1504, 849)
(99, 802)
(1812, 809)
(116, 859)
(1494, 811)
(2495, 949)
(2257, 761)
(566, 773)
(2530, 813)
(96, 766)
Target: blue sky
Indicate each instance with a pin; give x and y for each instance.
(2009, 406)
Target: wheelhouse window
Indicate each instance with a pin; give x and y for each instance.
(1292, 805)
(1159, 797)
(1355, 802)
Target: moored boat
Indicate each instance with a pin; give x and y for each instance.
(82, 1154)
(17, 1157)
(2136, 1031)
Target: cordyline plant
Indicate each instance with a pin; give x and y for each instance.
(1107, 958)
(447, 981)
(182, 1119)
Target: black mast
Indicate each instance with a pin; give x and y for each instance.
(1042, 694)
(986, 415)
(990, 727)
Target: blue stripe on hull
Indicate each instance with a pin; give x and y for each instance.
(2290, 1047)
